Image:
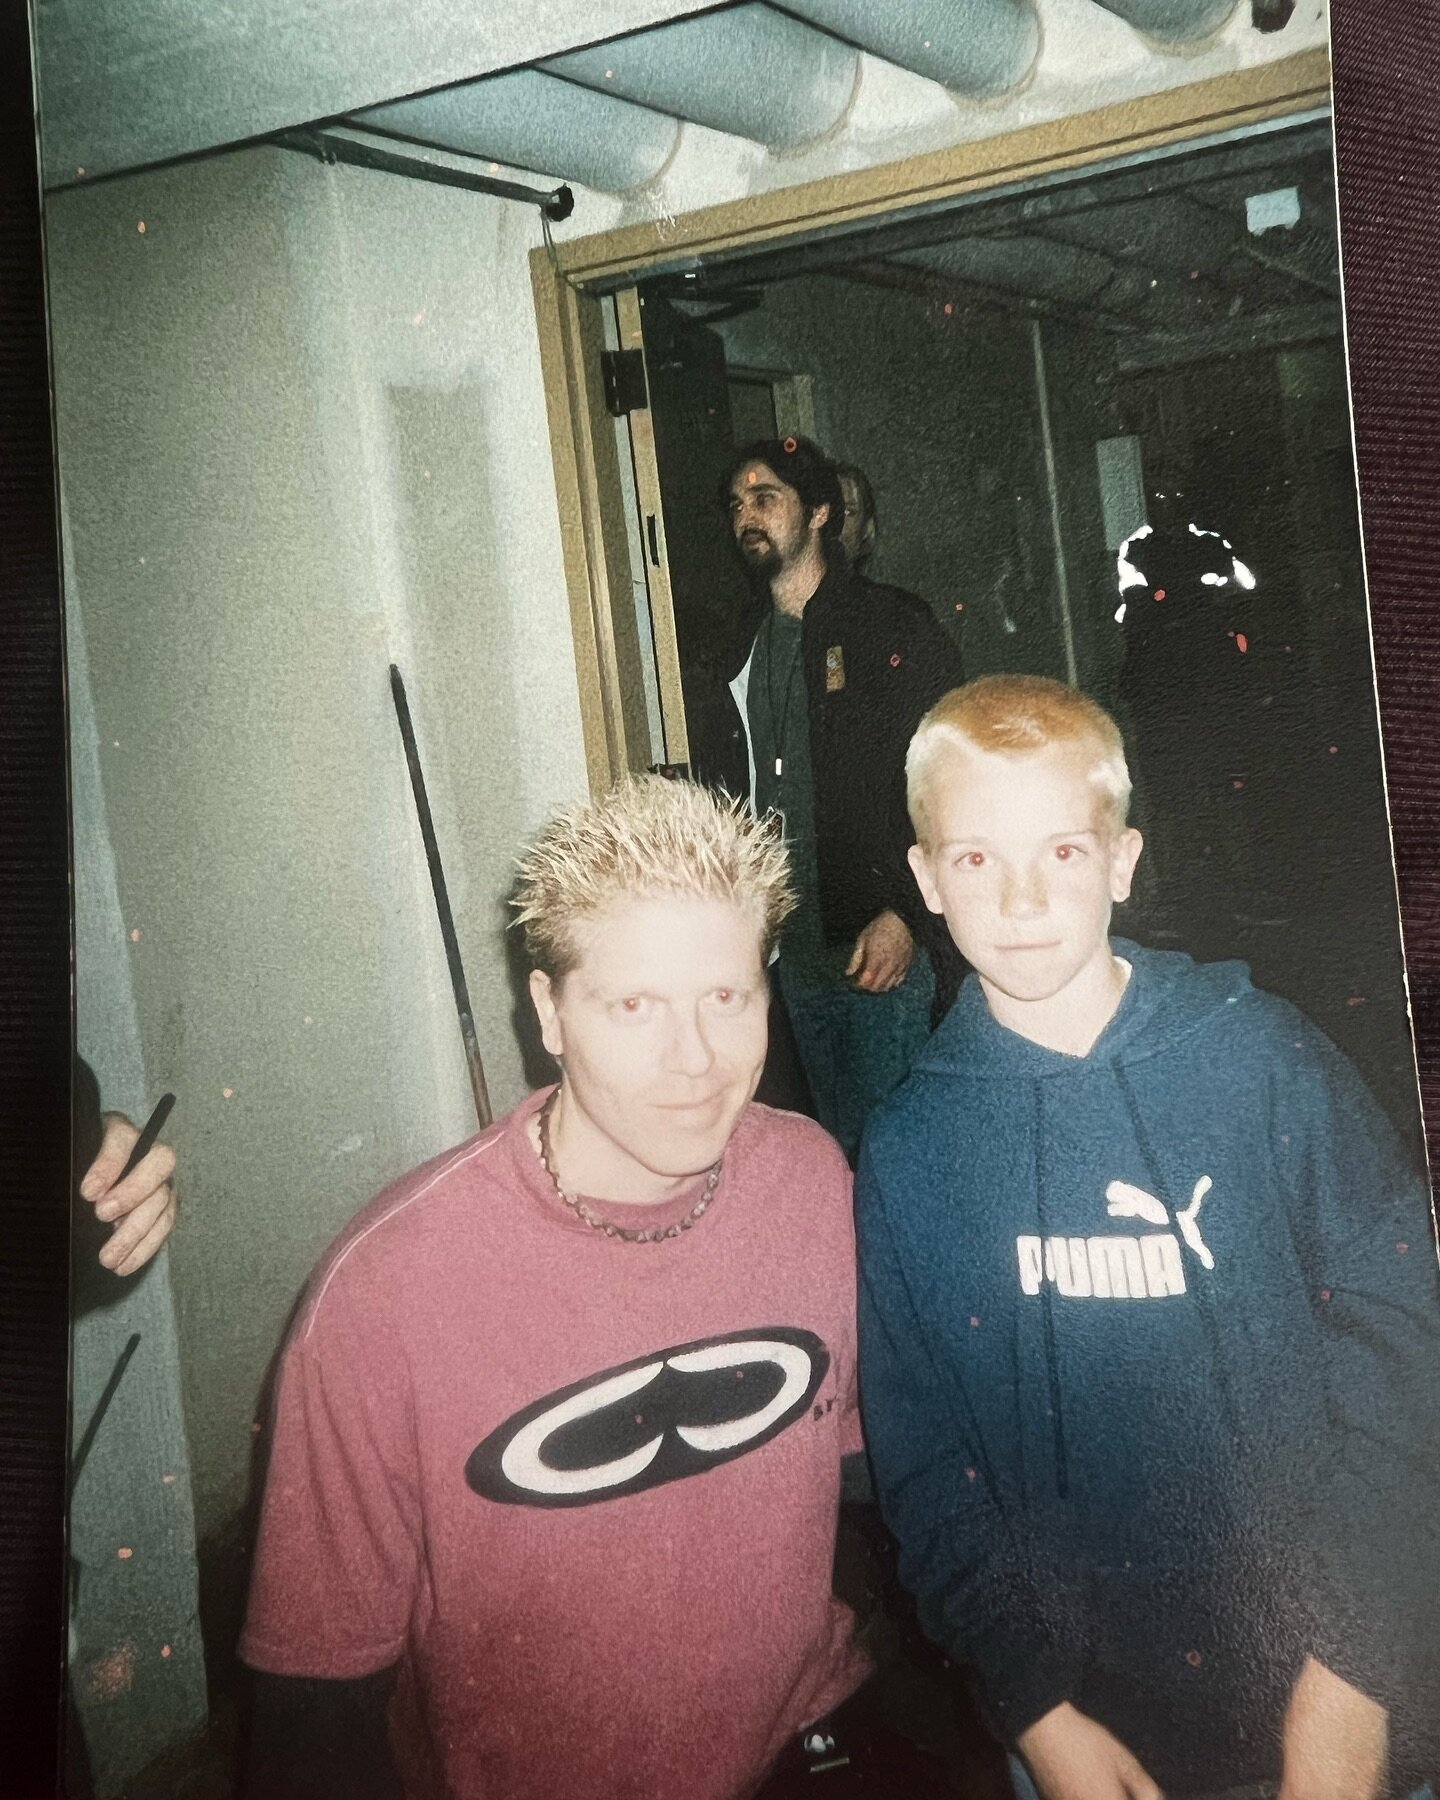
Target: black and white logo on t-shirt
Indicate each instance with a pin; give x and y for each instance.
(660, 1418)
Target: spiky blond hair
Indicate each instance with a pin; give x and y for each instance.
(647, 836)
(1011, 715)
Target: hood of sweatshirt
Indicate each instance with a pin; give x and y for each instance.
(1169, 1000)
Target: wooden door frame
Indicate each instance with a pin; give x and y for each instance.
(568, 285)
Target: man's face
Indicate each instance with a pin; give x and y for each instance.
(769, 522)
(661, 1028)
(1025, 862)
(857, 534)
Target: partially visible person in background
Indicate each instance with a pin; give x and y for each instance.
(860, 524)
(138, 1213)
(841, 671)
(1206, 687)
(784, 1082)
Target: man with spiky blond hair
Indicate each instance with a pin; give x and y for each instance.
(557, 1450)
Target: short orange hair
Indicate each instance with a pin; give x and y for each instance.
(1014, 715)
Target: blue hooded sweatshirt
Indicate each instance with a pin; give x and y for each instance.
(1150, 1358)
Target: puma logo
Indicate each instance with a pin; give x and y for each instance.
(1122, 1201)
(1114, 1267)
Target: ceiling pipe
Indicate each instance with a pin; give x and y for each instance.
(747, 70)
(129, 83)
(975, 47)
(1172, 21)
(529, 120)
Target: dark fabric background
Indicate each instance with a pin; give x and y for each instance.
(1387, 126)
(34, 980)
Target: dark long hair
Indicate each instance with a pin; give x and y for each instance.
(801, 465)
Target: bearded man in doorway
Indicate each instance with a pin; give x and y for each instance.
(840, 672)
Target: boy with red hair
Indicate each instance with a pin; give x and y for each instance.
(1148, 1319)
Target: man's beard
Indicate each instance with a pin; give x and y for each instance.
(761, 558)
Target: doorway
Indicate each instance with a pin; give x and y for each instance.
(1023, 380)
(1018, 364)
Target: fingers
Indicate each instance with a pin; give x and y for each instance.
(861, 966)
(152, 1172)
(880, 974)
(119, 1139)
(889, 970)
(144, 1229)
(881, 957)
(141, 1207)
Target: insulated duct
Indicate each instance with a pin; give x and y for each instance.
(978, 47)
(533, 121)
(122, 83)
(746, 70)
(1172, 21)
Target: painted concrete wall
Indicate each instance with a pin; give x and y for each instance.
(301, 435)
(137, 1663)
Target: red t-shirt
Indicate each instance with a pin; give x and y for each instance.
(583, 1491)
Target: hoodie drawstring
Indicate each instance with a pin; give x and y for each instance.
(1052, 1363)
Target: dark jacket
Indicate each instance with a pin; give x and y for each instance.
(1149, 1358)
(876, 660)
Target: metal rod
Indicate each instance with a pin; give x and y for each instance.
(442, 903)
(145, 1143)
(328, 147)
(102, 1406)
(1062, 574)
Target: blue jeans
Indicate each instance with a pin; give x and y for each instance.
(856, 1047)
(1025, 1788)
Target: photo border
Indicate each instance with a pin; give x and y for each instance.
(1387, 123)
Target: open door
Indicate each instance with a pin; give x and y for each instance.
(703, 616)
